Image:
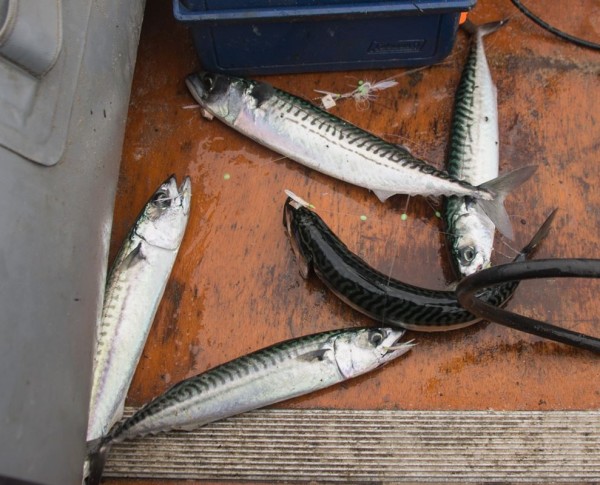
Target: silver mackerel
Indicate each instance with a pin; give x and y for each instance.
(134, 289)
(305, 133)
(474, 154)
(282, 371)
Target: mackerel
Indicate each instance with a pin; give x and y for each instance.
(282, 371)
(134, 289)
(305, 133)
(374, 294)
(473, 156)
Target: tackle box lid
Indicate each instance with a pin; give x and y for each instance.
(252, 10)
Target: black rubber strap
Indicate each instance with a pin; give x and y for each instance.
(563, 35)
(527, 270)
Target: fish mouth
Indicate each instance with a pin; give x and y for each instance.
(198, 87)
(468, 271)
(292, 203)
(294, 200)
(391, 345)
(185, 194)
(207, 87)
(179, 196)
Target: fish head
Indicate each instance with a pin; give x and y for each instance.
(218, 94)
(294, 212)
(472, 243)
(362, 350)
(164, 218)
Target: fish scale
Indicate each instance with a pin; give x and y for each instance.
(375, 294)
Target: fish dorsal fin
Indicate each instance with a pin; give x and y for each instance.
(134, 257)
(538, 237)
(304, 268)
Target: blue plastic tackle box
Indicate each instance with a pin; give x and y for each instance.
(249, 37)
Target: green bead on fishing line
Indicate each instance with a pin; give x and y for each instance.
(226, 176)
(363, 218)
(437, 214)
(404, 217)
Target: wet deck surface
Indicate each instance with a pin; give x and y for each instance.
(236, 287)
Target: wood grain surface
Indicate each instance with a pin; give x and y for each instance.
(236, 287)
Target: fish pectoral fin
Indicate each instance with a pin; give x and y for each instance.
(313, 355)
(304, 268)
(383, 195)
(134, 257)
(304, 262)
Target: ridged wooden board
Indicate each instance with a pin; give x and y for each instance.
(373, 446)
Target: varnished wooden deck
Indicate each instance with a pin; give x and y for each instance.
(236, 287)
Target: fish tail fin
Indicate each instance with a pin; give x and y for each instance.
(500, 187)
(98, 449)
(537, 238)
(483, 29)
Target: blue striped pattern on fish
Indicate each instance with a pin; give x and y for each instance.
(315, 138)
(282, 371)
(384, 299)
(133, 292)
(473, 156)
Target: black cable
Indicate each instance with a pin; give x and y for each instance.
(527, 270)
(554, 30)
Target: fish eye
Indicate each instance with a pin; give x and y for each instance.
(467, 254)
(209, 81)
(376, 337)
(161, 199)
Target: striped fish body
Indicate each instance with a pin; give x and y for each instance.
(305, 133)
(473, 157)
(376, 295)
(265, 377)
(315, 138)
(133, 292)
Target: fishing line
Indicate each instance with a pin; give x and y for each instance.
(404, 215)
(553, 30)
(436, 210)
(527, 270)
(506, 244)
